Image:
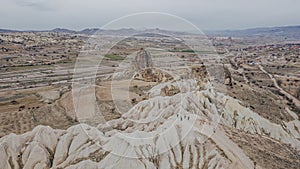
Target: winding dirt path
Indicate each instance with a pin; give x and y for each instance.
(294, 99)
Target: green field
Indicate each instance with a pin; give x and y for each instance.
(114, 57)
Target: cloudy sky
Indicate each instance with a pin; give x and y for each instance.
(205, 14)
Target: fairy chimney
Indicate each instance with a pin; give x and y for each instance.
(143, 60)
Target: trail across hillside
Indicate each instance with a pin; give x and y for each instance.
(294, 99)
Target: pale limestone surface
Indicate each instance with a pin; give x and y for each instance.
(184, 130)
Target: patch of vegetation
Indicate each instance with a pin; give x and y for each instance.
(28, 67)
(114, 57)
(298, 93)
(279, 82)
(188, 50)
(64, 61)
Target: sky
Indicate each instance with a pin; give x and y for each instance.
(205, 14)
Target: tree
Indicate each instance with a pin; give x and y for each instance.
(279, 82)
(298, 93)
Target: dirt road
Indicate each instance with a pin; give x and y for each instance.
(295, 100)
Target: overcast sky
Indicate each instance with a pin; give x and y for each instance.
(205, 14)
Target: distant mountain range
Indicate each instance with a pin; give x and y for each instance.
(92, 31)
(283, 31)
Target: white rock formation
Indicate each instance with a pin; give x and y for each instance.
(179, 131)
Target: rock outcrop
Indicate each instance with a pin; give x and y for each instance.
(143, 60)
(141, 67)
(144, 68)
(152, 75)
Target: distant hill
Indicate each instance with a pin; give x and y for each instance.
(63, 30)
(284, 31)
(127, 31)
(289, 32)
(7, 30)
(91, 31)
